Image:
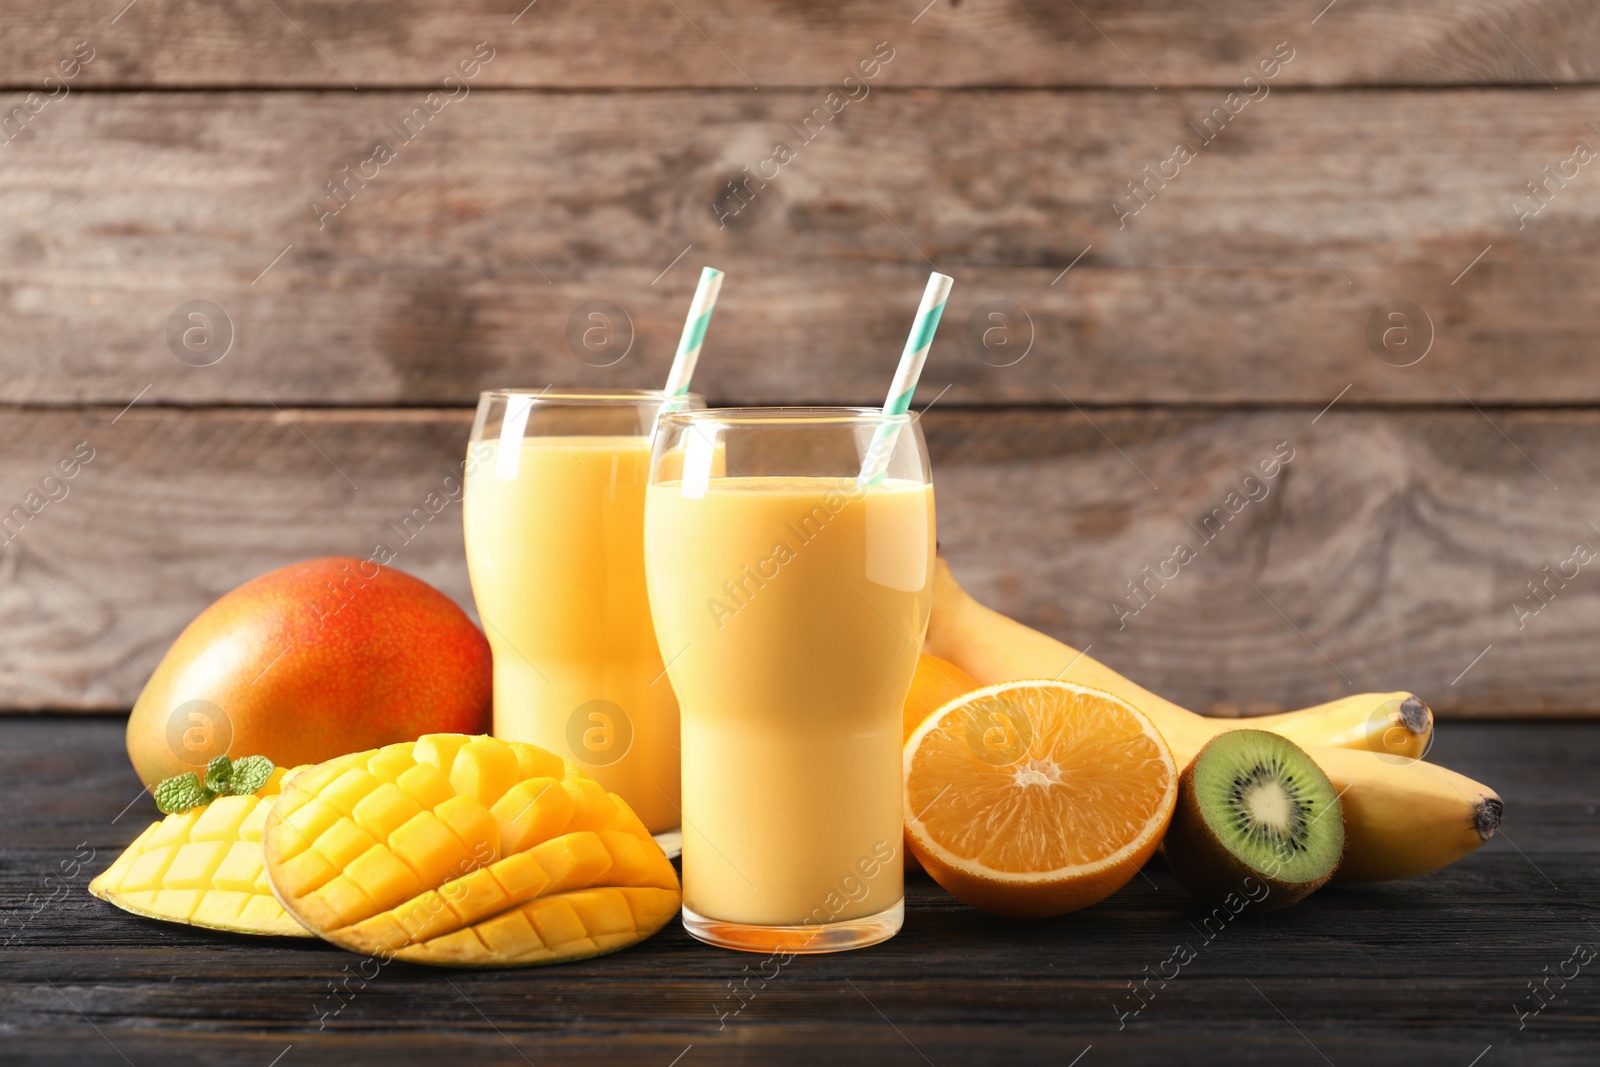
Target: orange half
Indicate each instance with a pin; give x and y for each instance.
(1032, 799)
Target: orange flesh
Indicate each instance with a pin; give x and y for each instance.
(1033, 781)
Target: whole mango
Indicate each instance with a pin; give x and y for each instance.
(310, 662)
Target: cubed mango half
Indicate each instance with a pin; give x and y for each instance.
(203, 867)
(466, 852)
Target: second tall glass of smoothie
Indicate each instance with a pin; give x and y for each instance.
(554, 515)
(791, 592)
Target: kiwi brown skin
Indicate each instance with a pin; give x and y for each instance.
(1215, 875)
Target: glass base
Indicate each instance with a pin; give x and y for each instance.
(671, 842)
(806, 940)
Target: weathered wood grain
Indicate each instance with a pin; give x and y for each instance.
(1250, 278)
(1428, 970)
(1388, 553)
(773, 43)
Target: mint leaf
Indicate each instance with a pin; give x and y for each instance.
(223, 777)
(218, 773)
(249, 774)
(180, 793)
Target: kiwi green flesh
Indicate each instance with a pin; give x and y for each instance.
(1253, 803)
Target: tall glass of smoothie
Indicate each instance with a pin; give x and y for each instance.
(554, 514)
(790, 592)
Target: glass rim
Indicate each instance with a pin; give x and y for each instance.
(577, 395)
(800, 415)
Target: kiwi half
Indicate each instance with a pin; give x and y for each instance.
(1257, 822)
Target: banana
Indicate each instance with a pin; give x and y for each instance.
(993, 648)
(1399, 725)
(1404, 818)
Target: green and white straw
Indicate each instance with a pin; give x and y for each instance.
(906, 374)
(694, 332)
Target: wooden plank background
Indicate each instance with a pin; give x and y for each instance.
(1151, 359)
(563, 44)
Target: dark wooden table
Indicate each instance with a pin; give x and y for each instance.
(1431, 971)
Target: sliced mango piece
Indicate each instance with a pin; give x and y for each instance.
(484, 769)
(193, 863)
(221, 819)
(463, 852)
(203, 867)
(533, 810)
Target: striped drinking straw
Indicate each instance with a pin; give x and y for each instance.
(694, 333)
(906, 375)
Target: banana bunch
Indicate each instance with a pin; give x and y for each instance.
(1403, 816)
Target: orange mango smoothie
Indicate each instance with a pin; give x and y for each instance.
(555, 547)
(791, 611)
